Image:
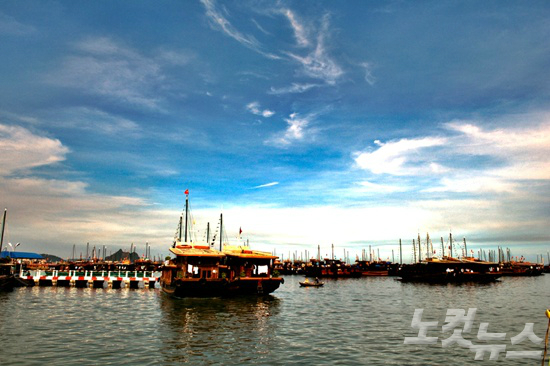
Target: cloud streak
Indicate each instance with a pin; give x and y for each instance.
(21, 150)
(266, 185)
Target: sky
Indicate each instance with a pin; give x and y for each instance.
(306, 123)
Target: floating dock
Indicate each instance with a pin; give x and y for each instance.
(93, 279)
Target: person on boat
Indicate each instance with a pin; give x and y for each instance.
(317, 280)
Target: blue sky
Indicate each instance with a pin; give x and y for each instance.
(306, 122)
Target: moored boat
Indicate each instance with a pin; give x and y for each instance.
(199, 270)
(450, 270)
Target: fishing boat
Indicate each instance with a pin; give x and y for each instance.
(450, 270)
(307, 283)
(521, 268)
(199, 270)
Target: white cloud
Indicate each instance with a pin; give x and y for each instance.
(520, 153)
(395, 157)
(295, 131)
(254, 108)
(266, 185)
(20, 150)
(294, 88)
(478, 183)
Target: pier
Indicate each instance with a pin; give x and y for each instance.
(93, 279)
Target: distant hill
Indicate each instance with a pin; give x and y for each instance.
(115, 257)
(121, 255)
(51, 258)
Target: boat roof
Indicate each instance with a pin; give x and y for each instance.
(195, 251)
(246, 252)
(20, 255)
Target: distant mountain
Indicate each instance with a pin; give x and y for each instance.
(121, 255)
(51, 258)
(115, 257)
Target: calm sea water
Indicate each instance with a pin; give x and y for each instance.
(347, 322)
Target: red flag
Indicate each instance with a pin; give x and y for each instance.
(240, 231)
(186, 191)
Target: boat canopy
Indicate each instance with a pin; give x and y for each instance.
(246, 252)
(20, 255)
(190, 251)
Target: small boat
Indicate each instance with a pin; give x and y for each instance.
(306, 283)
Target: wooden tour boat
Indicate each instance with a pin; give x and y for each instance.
(199, 270)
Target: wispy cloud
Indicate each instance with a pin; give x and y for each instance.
(103, 67)
(254, 108)
(318, 64)
(294, 88)
(266, 185)
(297, 127)
(9, 25)
(20, 150)
(369, 78)
(91, 119)
(315, 63)
(299, 30)
(219, 20)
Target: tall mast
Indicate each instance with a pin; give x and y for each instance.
(451, 243)
(208, 233)
(221, 231)
(465, 248)
(180, 228)
(414, 251)
(186, 213)
(419, 249)
(400, 253)
(319, 252)
(3, 228)
(442, 248)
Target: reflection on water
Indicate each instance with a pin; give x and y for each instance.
(196, 330)
(347, 322)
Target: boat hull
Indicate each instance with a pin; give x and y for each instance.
(7, 283)
(221, 287)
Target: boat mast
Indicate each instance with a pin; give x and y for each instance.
(465, 248)
(208, 233)
(186, 213)
(419, 249)
(3, 228)
(442, 248)
(451, 243)
(221, 231)
(400, 253)
(414, 251)
(180, 228)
